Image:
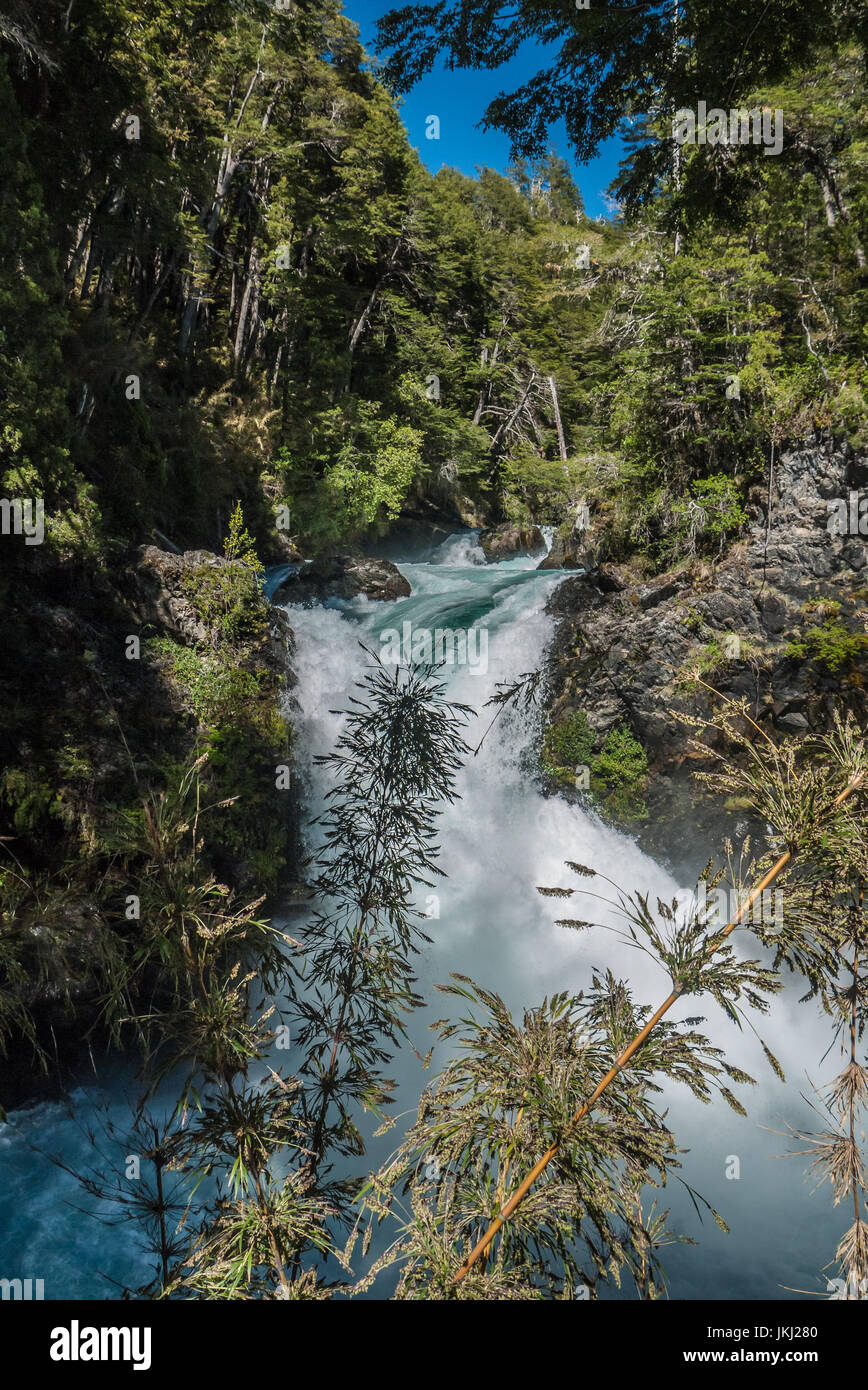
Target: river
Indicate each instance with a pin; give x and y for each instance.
(499, 841)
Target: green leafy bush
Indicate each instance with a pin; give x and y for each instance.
(239, 544)
(831, 645)
(619, 775)
(567, 746)
(228, 599)
(215, 688)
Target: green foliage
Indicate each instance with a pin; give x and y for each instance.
(482, 1124)
(239, 544)
(831, 645)
(608, 67)
(423, 336)
(617, 773)
(722, 513)
(228, 599)
(537, 488)
(30, 796)
(812, 793)
(247, 1200)
(396, 762)
(311, 317)
(567, 745)
(358, 477)
(234, 700)
(215, 687)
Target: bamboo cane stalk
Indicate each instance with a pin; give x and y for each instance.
(631, 1048)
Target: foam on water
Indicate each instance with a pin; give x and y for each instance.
(499, 841)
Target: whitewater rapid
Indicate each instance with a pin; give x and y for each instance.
(501, 838)
(498, 842)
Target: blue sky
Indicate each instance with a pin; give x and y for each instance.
(460, 98)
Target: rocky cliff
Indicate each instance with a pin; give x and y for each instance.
(780, 620)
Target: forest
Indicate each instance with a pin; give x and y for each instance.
(247, 336)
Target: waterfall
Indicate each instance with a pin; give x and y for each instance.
(499, 841)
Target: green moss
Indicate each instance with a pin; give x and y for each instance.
(228, 600)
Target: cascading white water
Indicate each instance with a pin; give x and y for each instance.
(498, 842)
(501, 840)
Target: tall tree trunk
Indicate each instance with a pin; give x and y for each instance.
(75, 261)
(229, 161)
(834, 202)
(228, 165)
(485, 393)
(241, 327)
(561, 442)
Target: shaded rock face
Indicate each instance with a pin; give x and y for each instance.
(159, 600)
(285, 551)
(344, 576)
(571, 550)
(509, 540)
(627, 651)
(442, 500)
(415, 538)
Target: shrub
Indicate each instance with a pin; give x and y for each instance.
(567, 746)
(832, 646)
(619, 775)
(214, 688)
(228, 599)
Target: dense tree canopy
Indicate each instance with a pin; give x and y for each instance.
(610, 61)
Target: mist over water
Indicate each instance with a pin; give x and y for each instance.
(499, 841)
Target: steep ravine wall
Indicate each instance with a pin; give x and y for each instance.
(780, 620)
(112, 685)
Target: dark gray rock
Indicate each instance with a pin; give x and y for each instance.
(628, 651)
(572, 549)
(344, 576)
(160, 598)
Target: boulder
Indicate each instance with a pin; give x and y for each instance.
(509, 540)
(160, 598)
(345, 576)
(572, 549)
